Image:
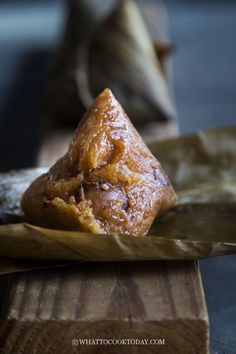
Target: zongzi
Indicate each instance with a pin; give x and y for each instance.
(107, 43)
(107, 182)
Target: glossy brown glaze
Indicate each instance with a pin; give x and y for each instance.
(107, 182)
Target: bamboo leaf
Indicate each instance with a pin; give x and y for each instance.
(202, 167)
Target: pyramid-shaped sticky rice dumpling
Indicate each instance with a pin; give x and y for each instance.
(107, 182)
(107, 43)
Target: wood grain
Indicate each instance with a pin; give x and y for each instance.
(47, 309)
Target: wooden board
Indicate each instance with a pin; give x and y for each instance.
(152, 300)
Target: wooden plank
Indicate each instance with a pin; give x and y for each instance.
(161, 300)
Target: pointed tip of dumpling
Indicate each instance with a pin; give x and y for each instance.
(105, 95)
(104, 108)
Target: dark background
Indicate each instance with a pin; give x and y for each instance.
(204, 70)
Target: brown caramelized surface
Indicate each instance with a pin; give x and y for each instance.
(107, 182)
